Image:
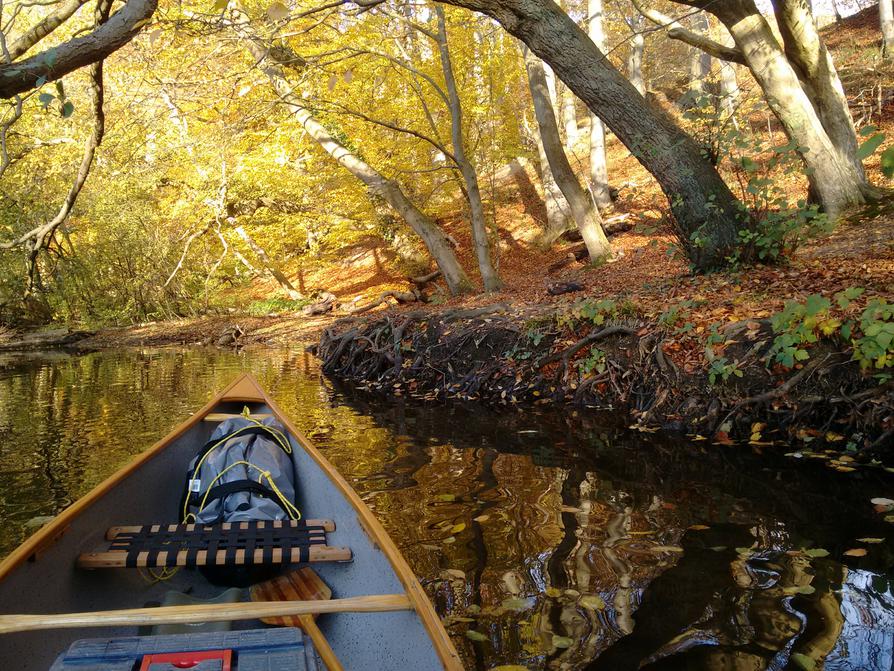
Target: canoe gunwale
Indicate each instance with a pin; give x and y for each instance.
(246, 389)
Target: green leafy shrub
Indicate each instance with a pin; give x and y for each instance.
(275, 305)
(875, 346)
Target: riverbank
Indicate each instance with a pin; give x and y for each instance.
(789, 378)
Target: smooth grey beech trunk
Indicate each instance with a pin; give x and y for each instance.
(706, 214)
(558, 214)
(635, 55)
(802, 89)
(489, 276)
(423, 225)
(699, 61)
(598, 163)
(583, 210)
(886, 22)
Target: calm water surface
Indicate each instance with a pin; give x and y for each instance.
(547, 541)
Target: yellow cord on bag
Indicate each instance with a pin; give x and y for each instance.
(167, 572)
(277, 435)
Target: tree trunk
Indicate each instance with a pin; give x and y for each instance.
(729, 85)
(558, 214)
(813, 64)
(584, 212)
(834, 177)
(886, 19)
(598, 164)
(706, 214)
(635, 57)
(277, 274)
(433, 237)
(699, 61)
(569, 117)
(489, 275)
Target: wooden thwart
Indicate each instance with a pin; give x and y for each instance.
(223, 416)
(256, 542)
(327, 525)
(137, 617)
(118, 558)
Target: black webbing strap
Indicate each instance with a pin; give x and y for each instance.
(224, 490)
(248, 536)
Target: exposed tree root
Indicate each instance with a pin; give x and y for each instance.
(503, 357)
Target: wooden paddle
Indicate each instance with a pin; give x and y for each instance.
(214, 612)
(302, 584)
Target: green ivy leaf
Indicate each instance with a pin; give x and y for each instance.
(887, 161)
(868, 148)
(45, 99)
(67, 109)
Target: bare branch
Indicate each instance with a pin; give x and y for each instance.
(677, 32)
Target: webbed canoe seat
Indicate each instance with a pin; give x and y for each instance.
(255, 543)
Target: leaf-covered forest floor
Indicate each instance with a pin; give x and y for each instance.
(646, 276)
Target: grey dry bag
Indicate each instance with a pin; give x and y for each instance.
(244, 472)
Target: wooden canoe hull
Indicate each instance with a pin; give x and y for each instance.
(41, 575)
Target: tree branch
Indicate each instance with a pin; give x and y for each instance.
(56, 62)
(44, 28)
(677, 32)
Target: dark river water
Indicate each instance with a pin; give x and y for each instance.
(547, 540)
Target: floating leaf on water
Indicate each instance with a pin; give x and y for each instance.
(592, 601)
(803, 661)
(426, 546)
(447, 498)
(799, 589)
(458, 527)
(856, 552)
(882, 502)
(473, 635)
(871, 540)
(744, 551)
(514, 604)
(666, 548)
(817, 552)
(449, 539)
(482, 518)
(718, 548)
(573, 593)
(562, 641)
(553, 592)
(699, 527)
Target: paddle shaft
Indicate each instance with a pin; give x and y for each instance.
(327, 654)
(203, 613)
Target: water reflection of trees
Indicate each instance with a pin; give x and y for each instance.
(581, 511)
(566, 542)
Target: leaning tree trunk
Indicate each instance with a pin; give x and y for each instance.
(583, 210)
(705, 211)
(886, 20)
(271, 268)
(598, 164)
(835, 178)
(489, 275)
(812, 62)
(433, 237)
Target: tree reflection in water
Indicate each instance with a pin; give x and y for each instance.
(546, 540)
